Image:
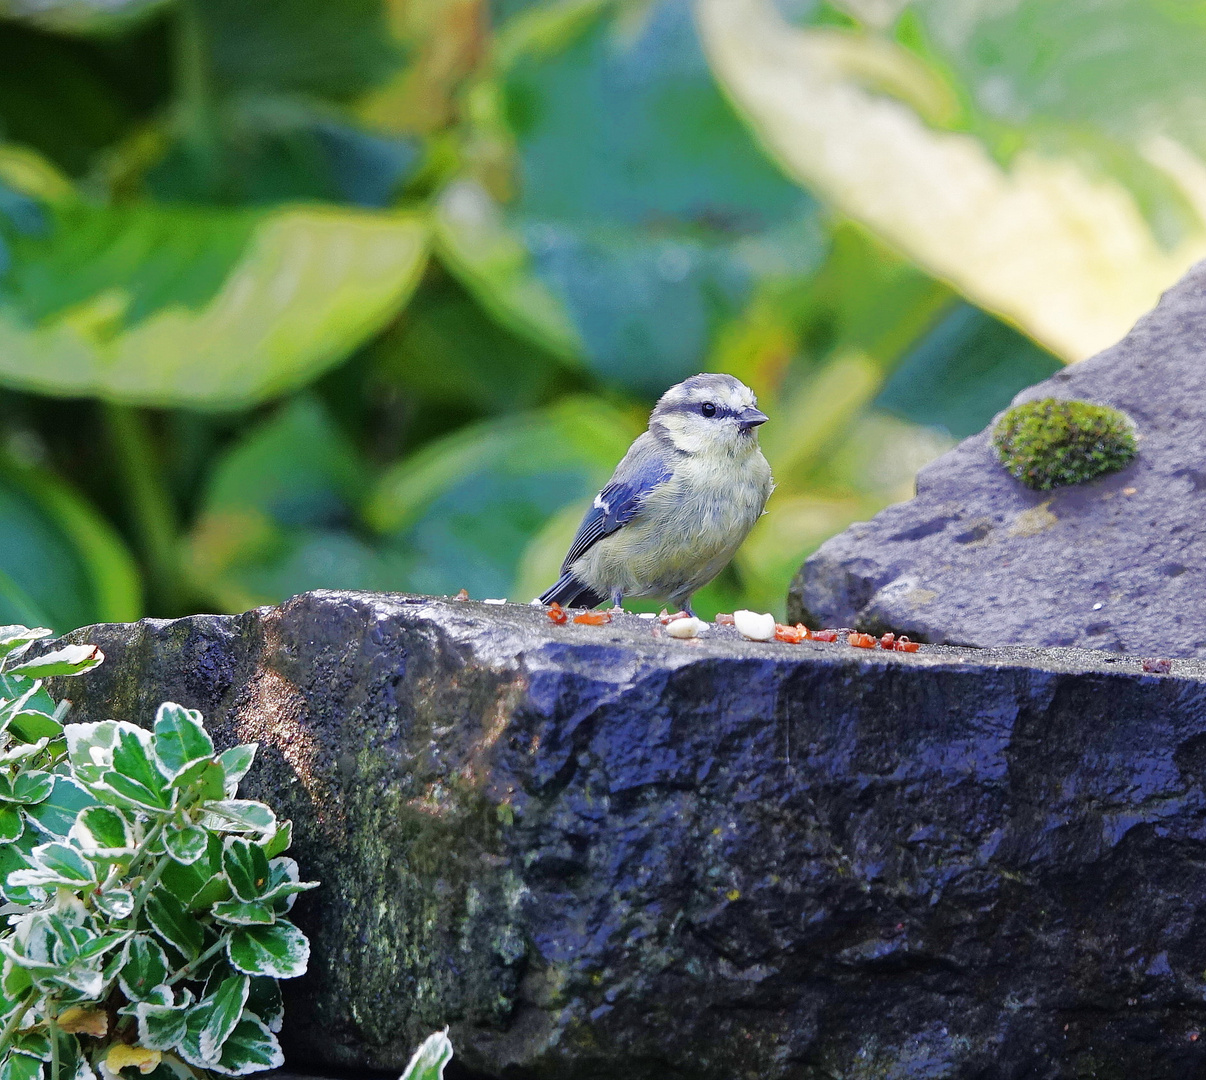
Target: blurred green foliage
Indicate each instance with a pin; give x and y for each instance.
(375, 294)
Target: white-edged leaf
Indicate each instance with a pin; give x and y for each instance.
(162, 1022)
(116, 903)
(280, 950)
(250, 1048)
(69, 660)
(237, 761)
(14, 638)
(239, 816)
(429, 1060)
(241, 913)
(225, 1008)
(103, 833)
(186, 845)
(56, 865)
(174, 924)
(180, 739)
(144, 967)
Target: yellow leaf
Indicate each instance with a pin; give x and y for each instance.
(123, 1056)
(1065, 255)
(80, 1021)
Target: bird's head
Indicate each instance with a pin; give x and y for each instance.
(710, 414)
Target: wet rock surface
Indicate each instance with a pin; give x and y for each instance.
(1118, 563)
(596, 852)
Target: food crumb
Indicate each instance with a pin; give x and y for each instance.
(1157, 666)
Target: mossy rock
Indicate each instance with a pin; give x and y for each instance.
(1053, 443)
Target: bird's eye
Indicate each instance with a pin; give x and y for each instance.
(708, 409)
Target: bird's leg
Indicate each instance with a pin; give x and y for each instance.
(685, 605)
(617, 600)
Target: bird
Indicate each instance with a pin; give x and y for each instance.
(678, 505)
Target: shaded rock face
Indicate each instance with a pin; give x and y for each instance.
(1118, 563)
(597, 852)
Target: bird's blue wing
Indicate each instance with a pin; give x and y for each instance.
(616, 505)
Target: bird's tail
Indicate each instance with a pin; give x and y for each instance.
(570, 592)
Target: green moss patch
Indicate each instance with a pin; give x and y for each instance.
(1052, 443)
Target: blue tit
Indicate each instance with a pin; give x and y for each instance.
(678, 506)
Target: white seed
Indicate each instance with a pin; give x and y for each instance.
(685, 628)
(494, 601)
(647, 615)
(757, 626)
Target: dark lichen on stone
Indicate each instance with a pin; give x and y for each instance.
(1052, 442)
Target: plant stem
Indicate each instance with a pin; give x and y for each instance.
(14, 1022)
(194, 96)
(52, 1026)
(144, 890)
(215, 947)
(147, 841)
(153, 517)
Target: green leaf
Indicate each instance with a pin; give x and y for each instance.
(241, 913)
(19, 856)
(186, 845)
(251, 1047)
(274, 517)
(464, 508)
(220, 1015)
(991, 124)
(32, 787)
(280, 950)
(79, 16)
(90, 747)
(306, 46)
(15, 639)
(56, 865)
(60, 561)
(284, 883)
(103, 833)
(69, 660)
(266, 1002)
(281, 840)
(17, 751)
(144, 967)
(134, 780)
(12, 825)
(237, 761)
(116, 903)
(246, 867)
(95, 307)
(180, 739)
(170, 920)
(239, 816)
(163, 1026)
(20, 1067)
(34, 1043)
(647, 215)
(58, 812)
(429, 1060)
(198, 885)
(34, 726)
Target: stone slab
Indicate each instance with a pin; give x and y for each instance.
(597, 852)
(1117, 564)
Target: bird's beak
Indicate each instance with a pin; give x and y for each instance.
(750, 418)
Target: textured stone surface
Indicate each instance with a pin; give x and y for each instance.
(1118, 563)
(599, 853)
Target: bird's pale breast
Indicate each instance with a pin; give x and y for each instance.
(687, 531)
